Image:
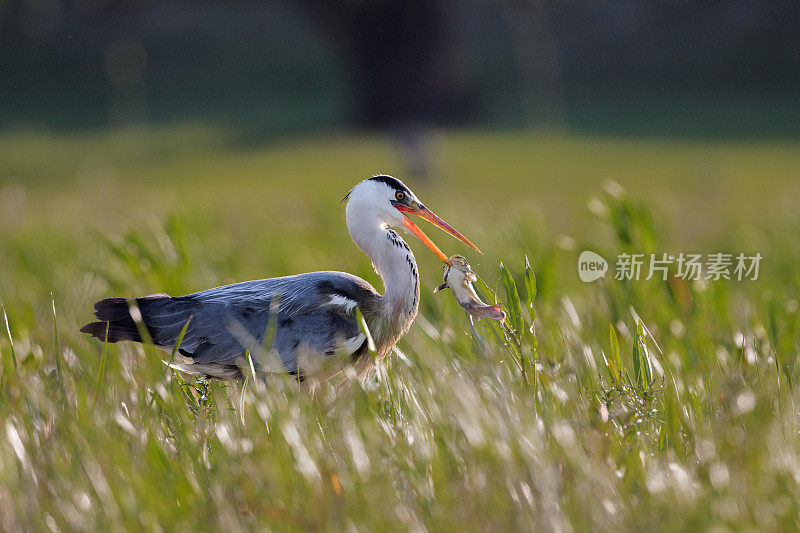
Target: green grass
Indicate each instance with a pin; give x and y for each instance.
(627, 405)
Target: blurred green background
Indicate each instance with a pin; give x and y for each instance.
(282, 67)
(116, 113)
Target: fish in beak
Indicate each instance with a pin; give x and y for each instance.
(458, 276)
(430, 216)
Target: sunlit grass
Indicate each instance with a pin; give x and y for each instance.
(595, 406)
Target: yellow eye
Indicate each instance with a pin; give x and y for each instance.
(399, 195)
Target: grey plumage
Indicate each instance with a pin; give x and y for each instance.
(315, 312)
(310, 314)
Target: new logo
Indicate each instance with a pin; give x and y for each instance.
(591, 266)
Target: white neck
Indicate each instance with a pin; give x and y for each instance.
(395, 264)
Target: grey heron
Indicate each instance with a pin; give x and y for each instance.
(312, 313)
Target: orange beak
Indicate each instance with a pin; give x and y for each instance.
(429, 215)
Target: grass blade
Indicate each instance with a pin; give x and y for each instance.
(177, 345)
(101, 373)
(57, 344)
(530, 284)
(10, 340)
(641, 360)
(365, 328)
(512, 301)
(172, 355)
(616, 353)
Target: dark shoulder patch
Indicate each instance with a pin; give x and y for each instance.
(392, 182)
(363, 295)
(247, 313)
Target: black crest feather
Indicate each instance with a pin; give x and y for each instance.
(392, 182)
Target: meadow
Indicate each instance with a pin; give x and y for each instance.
(609, 405)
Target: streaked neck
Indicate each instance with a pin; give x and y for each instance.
(395, 264)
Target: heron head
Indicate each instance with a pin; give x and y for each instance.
(392, 201)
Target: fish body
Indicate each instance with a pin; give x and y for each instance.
(458, 276)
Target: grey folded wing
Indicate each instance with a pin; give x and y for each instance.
(313, 312)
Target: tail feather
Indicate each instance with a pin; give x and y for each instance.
(116, 323)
